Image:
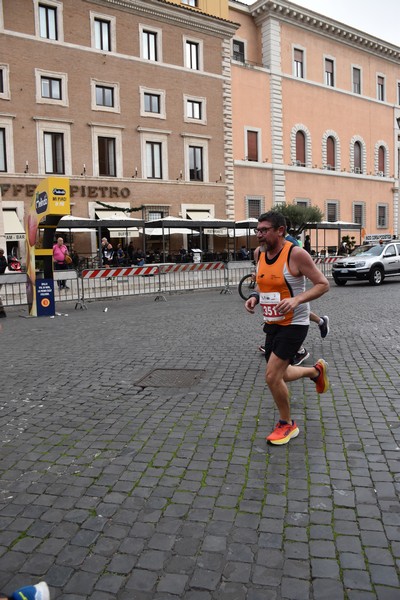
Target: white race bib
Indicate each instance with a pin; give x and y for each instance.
(268, 302)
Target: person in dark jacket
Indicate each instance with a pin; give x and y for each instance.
(3, 262)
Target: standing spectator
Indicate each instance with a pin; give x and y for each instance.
(343, 248)
(130, 252)
(244, 253)
(3, 262)
(3, 266)
(107, 252)
(307, 244)
(183, 254)
(60, 251)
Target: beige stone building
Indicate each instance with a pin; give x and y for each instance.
(130, 100)
(316, 107)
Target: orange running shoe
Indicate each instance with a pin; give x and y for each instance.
(283, 432)
(321, 381)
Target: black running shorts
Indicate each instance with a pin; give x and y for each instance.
(284, 341)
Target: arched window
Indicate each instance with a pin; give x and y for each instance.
(381, 159)
(300, 149)
(357, 157)
(331, 153)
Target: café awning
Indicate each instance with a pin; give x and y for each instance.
(117, 215)
(198, 215)
(13, 229)
(114, 215)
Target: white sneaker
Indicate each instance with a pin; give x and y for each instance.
(40, 591)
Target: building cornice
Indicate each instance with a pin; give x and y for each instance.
(174, 14)
(317, 23)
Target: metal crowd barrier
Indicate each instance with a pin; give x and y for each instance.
(325, 264)
(13, 287)
(158, 279)
(150, 279)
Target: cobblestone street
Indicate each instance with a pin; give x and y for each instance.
(118, 487)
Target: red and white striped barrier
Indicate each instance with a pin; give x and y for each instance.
(329, 259)
(118, 272)
(188, 267)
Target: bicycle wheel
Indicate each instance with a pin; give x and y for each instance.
(246, 286)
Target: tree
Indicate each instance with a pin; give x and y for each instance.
(300, 216)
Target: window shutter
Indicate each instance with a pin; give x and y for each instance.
(330, 152)
(301, 148)
(252, 145)
(381, 159)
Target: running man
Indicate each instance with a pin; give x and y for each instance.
(281, 291)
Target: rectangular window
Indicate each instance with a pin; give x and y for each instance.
(3, 154)
(152, 103)
(331, 212)
(153, 160)
(48, 22)
(381, 88)
(358, 214)
(104, 96)
(382, 215)
(193, 109)
(195, 163)
(254, 208)
(298, 63)
(238, 51)
(107, 163)
(1, 81)
(192, 55)
(356, 80)
(329, 72)
(51, 88)
(149, 40)
(252, 145)
(189, 2)
(54, 153)
(154, 216)
(102, 35)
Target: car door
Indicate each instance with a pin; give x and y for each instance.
(390, 259)
(398, 257)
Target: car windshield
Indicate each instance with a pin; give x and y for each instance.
(367, 250)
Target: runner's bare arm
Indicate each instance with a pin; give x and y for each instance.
(301, 263)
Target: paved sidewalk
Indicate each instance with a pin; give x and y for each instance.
(115, 489)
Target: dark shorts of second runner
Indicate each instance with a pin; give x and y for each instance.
(284, 341)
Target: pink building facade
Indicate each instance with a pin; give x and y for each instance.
(315, 118)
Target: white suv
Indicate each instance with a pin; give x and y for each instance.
(373, 263)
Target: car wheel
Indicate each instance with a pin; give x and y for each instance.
(376, 276)
(340, 282)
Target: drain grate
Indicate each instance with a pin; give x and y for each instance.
(171, 378)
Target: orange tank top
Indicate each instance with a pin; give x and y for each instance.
(275, 282)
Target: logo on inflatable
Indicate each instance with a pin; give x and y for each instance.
(41, 202)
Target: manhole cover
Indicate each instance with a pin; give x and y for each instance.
(171, 378)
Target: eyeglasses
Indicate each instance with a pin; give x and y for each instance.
(262, 230)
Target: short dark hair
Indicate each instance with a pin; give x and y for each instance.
(274, 217)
